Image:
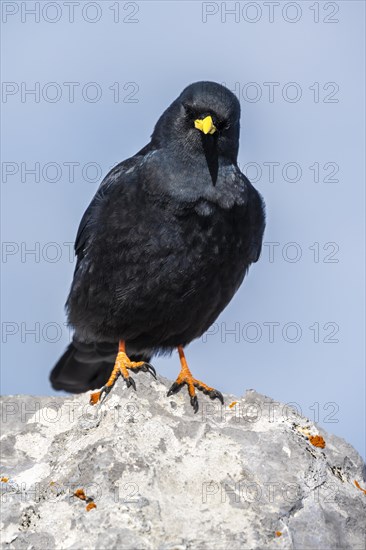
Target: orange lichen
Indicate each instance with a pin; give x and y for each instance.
(94, 398)
(278, 533)
(359, 487)
(317, 441)
(4, 479)
(232, 404)
(79, 493)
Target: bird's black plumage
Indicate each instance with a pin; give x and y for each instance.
(165, 242)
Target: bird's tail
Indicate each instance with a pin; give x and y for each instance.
(86, 367)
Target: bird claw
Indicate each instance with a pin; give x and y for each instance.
(216, 394)
(130, 382)
(194, 403)
(174, 388)
(121, 367)
(103, 393)
(146, 367)
(212, 393)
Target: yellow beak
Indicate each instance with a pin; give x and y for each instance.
(206, 125)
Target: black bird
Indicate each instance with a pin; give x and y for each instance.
(162, 248)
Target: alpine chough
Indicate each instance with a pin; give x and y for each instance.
(162, 248)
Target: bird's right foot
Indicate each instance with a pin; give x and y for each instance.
(121, 367)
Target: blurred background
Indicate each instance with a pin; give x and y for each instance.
(84, 84)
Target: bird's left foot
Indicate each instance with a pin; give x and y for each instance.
(121, 367)
(185, 378)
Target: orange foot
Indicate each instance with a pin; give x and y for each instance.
(121, 367)
(185, 377)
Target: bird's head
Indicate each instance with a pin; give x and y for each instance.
(203, 119)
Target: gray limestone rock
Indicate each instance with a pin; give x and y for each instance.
(249, 475)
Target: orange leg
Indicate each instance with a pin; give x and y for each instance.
(121, 367)
(185, 377)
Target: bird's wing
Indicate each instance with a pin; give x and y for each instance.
(88, 221)
(256, 221)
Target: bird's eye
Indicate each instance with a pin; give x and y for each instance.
(189, 110)
(222, 125)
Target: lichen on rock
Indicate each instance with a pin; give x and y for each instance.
(142, 471)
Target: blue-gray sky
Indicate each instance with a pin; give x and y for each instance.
(102, 73)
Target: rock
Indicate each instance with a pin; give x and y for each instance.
(150, 474)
